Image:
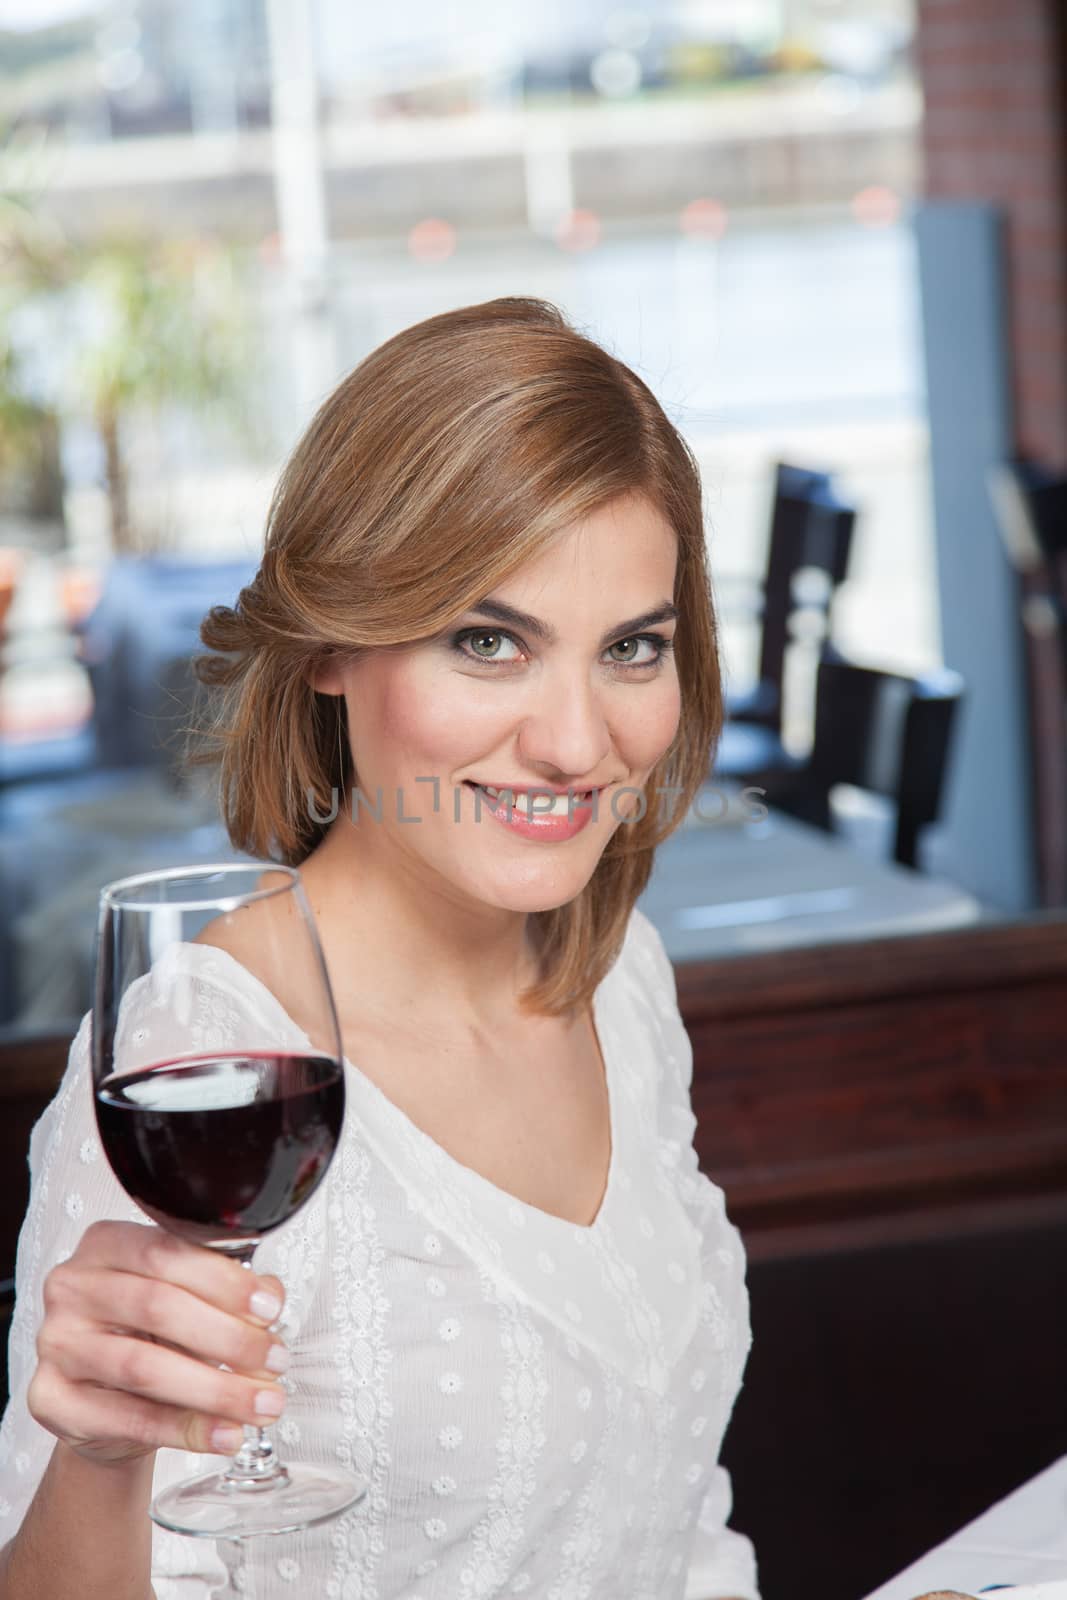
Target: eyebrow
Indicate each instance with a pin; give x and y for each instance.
(665, 612)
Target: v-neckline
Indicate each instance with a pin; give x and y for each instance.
(444, 1158)
(492, 1190)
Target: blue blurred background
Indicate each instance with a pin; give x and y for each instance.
(211, 210)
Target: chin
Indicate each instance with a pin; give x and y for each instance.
(543, 892)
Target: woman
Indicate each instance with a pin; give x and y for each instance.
(515, 1303)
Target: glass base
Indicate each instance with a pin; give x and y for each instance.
(215, 1507)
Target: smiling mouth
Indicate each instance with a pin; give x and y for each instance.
(495, 797)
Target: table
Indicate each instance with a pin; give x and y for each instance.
(733, 886)
(54, 859)
(1022, 1539)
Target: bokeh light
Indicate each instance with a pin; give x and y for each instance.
(876, 206)
(432, 239)
(578, 230)
(704, 218)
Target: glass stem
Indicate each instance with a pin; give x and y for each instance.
(256, 1464)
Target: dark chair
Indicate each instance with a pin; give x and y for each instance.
(1031, 510)
(807, 561)
(145, 623)
(134, 642)
(1042, 503)
(884, 732)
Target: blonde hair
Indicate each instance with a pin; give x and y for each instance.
(449, 457)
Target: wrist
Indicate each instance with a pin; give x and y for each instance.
(86, 1532)
(118, 1475)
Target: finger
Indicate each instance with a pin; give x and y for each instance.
(112, 1426)
(128, 1302)
(267, 1283)
(152, 1252)
(83, 1353)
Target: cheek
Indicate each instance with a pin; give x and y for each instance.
(437, 722)
(652, 723)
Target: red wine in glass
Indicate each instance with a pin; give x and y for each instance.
(222, 1148)
(221, 1140)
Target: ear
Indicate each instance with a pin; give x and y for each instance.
(326, 676)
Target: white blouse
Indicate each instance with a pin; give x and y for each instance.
(538, 1405)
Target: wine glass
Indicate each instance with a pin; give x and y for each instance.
(216, 1128)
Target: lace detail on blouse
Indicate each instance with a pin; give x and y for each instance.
(538, 1406)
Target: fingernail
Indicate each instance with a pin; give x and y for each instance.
(278, 1358)
(266, 1306)
(224, 1441)
(270, 1402)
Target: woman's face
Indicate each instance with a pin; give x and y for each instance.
(588, 700)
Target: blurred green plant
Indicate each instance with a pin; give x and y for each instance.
(30, 473)
(138, 326)
(28, 439)
(164, 326)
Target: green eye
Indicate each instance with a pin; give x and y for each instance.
(468, 644)
(479, 638)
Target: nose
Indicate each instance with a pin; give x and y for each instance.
(567, 730)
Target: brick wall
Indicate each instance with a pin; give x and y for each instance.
(994, 74)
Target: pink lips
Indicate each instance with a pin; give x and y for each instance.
(539, 825)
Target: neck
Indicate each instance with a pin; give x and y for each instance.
(408, 949)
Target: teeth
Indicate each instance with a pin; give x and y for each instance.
(559, 807)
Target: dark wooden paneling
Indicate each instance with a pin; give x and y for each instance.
(892, 1393)
(889, 1123)
(901, 1080)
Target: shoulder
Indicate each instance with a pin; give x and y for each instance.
(196, 996)
(646, 957)
(71, 1102)
(653, 993)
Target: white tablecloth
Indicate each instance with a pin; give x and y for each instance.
(733, 887)
(1020, 1540)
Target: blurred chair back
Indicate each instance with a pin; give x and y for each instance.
(884, 732)
(1031, 511)
(811, 529)
(145, 627)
